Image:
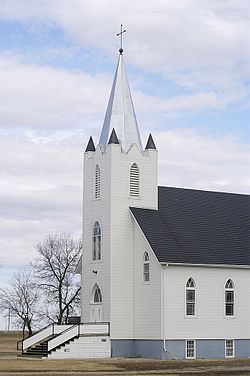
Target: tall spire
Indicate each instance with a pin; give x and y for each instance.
(120, 113)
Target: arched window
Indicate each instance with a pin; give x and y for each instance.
(229, 298)
(146, 274)
(97, 295)
(190, 297)
(97, 182)
(134, 181)
(96, 251)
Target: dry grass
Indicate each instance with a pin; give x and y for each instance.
(8, 343)
(11, 365)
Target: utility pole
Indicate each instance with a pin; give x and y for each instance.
(8, 321)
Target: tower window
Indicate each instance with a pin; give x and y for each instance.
(146, 274)
(229, 298)
(96, 251)
(190, 297)
(134, 181)
(97, 182)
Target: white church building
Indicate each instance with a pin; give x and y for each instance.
(165, 271)
(168, 268)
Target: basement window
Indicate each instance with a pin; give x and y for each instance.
(190, 349)
(229, 348)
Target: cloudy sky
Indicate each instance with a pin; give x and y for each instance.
(188, 64)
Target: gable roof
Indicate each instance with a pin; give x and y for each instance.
(198, 227)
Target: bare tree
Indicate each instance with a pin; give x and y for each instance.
(20, 299)
(55, 271)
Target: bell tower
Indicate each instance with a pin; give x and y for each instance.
(118, 174)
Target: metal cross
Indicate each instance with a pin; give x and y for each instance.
(121, 32)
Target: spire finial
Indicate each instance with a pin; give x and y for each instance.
(121, 32)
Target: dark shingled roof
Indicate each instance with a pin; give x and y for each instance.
(198, 227)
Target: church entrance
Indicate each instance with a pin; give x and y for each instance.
(96, 305)
(96, 313)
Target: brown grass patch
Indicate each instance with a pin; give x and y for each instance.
(8, 343)
(11, 365)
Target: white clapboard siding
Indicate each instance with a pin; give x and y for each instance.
(77, 330)
(209, 320)
(147, 295)
(84, 347)
(114, 273)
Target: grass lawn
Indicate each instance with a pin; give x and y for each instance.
(12, 365)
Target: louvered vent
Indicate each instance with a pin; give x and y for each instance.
(97, 182)
(134, 181)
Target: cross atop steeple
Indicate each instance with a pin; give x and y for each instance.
(121, 34)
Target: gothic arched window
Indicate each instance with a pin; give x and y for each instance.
(97, 182)
(134, 181)
(190, 297)
(96, 240)
(97, 295)
(229, 298)
(146, 272)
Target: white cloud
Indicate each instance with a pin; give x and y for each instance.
(45, 97)
(48, 113)
(41, 188)
(195, 160)
(193, 102)
(40, 192)
(203, 42)
(43, 101)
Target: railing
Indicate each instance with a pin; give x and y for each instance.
(44, 333)
(38, 337)
(20, 343)
(65, 336)
(94, 328)
(76, 331)
(63, 333)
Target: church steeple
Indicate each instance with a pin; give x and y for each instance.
(120, 113)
